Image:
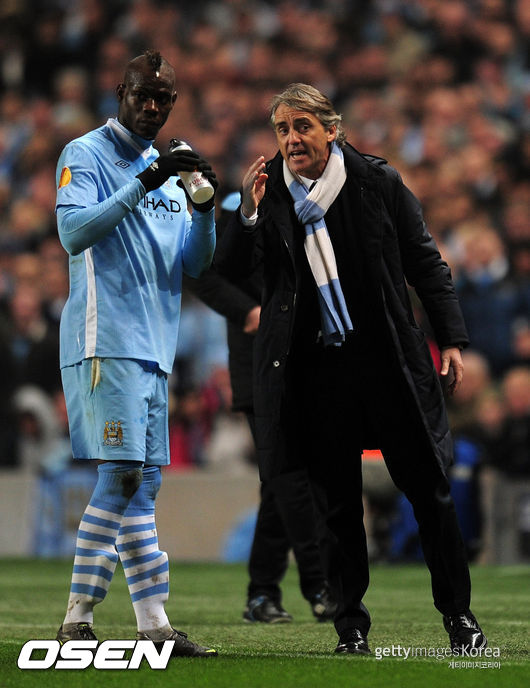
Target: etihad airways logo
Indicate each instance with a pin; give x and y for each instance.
(159, 208)
(159, 205)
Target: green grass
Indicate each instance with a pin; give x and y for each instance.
(206, 601)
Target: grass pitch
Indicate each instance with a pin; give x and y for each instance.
(206, 600)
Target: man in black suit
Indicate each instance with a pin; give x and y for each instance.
(340, 363)
(286, 517)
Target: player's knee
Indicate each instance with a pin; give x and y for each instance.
(144, 498)
(118, 480)
(152, 479)
(131, 481)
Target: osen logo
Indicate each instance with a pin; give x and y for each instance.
(80, 654)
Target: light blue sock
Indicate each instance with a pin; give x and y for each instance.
(95, 556)
(146, 567)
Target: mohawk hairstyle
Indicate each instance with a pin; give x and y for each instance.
(154, 58)
(149, 59)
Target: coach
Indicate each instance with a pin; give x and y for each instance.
(340, 363)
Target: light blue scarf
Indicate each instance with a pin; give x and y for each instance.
(310, 206)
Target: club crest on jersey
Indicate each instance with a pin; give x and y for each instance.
(65, 178)
(113, 433)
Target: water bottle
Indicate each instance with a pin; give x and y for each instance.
(197, 185)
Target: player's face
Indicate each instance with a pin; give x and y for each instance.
(303, 141)
(146, 101)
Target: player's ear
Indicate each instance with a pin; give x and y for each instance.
(120, 90)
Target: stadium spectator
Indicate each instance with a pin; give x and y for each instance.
(462, 407)
(33, 341)
(117, 350)
(251, 50)
(465, 473)
(193, 414)
(491, 299)
(230, 449)
(37, 429)
(54, 277)
(9, 454)
(508, 497)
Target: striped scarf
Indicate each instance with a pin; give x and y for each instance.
(310, 206)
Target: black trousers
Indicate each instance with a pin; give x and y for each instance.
(331, 399)
(286, 520)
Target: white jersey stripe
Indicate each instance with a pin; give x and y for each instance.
(91, 320)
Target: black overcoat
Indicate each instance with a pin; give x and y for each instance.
(396, 248)
(234, 301)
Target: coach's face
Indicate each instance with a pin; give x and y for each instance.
(303, 141)
(146, 100)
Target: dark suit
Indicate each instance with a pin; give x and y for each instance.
(286, 517)
(319, 407)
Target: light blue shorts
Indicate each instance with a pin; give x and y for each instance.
(117, 410)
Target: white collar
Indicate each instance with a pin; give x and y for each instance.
(308, 183)
(143, 146)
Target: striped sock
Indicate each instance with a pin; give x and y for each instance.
(146, 567)
(95, 556)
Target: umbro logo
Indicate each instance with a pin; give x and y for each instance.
(122, 163)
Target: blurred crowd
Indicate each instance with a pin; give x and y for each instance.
(440, 88)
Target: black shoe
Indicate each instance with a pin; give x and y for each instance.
(323, 606)
(182, 647)
(464, 633)
(352, 642)
(75, 631)
(264, 609)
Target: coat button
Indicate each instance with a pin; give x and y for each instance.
(276, 364)
(284, 307)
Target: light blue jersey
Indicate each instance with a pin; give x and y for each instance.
(128, 250)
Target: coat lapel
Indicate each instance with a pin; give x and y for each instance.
(280, 204)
